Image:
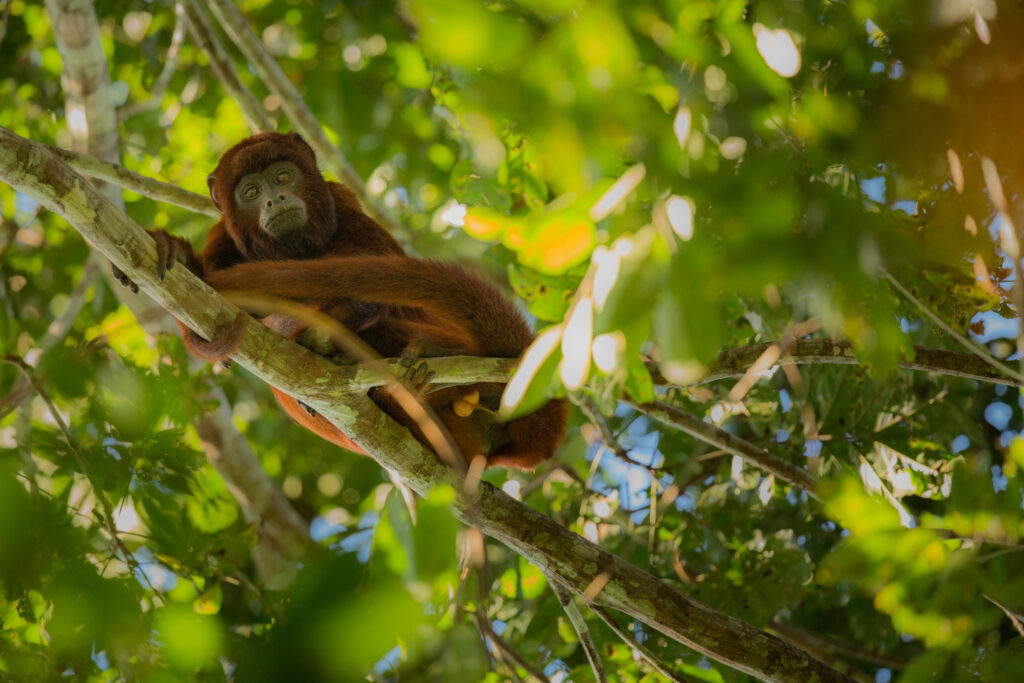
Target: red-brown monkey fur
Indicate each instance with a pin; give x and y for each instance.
(341, 262)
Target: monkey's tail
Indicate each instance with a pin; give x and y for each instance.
(446, 290)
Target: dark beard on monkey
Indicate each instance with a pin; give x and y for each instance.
(308, 241)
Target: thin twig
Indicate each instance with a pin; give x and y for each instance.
(156, 94)
(628, 639)
(821, 655)
(733, 363)
(503, 649)
(1015, 619)
(221, 63)
(826, 643)
(582, 630)
(483, 624)
(147, 187)
(719, 438)
(590, 409)
(974, 346)
(3, 21)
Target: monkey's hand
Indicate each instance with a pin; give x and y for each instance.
(169, 250)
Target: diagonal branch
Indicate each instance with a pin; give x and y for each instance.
(147, 187)
(628, 639)
(603, 578)
(220, 61)
(719, 438)
(582, 630)
(156, 93)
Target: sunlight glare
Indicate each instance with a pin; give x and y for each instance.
(1008, 237)
(982, 276)
(607, 349)
(454, 214)
(993, 184)
(538, 352)
(623, 246)
(956, 170)
(607, 272)
(778, 49)
(733, 147)
(579, 332)
(981, 28)
(680, 216)
(125, 516)
(618, 192)
(683, 372)
(681, 125)
(78, 124)
(970, 225)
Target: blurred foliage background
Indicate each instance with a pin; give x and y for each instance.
(654, 179)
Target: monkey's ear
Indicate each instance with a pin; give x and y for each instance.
(302, 143)
(211, 182)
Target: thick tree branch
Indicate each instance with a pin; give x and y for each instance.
(603, 578)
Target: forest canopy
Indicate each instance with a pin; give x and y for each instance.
(769, 250)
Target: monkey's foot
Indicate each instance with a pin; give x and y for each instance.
(418, 377)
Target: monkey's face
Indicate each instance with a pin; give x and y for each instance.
(272, 198)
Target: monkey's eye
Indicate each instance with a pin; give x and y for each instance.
(283, 176)
(251, 192)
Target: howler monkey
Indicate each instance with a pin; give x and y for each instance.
(286, 232)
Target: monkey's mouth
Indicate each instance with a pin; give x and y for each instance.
(286, 221)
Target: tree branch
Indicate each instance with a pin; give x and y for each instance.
(147, 187)
(582, 630)
(981, 352)
(156, 94)
(628, 639)
(719, 438)
(586, 568)
(734, 362)
(220, 61)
